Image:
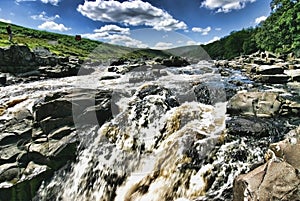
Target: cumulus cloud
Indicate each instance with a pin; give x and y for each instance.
(134, 13)
(260, 19)
(163, 45)
(191, 42)
(50, 25)
(113, 29)
(53, 2)
(201, 30)
(225, 5)
(4, 20)
(125, 40)
(218, 29)
(115, 35)
(42, 16)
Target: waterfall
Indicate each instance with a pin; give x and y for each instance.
(155, 146)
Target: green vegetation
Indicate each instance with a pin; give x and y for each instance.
(237, 43)
(66, 45)
(280, 33)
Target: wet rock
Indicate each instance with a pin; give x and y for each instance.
(118, 62)
(269, 70)
(9, 171)
(25, 188)
(43, 142)
(260, 104)
(3, 79)
(255, 127)
(175, 62)
(272, 79)
(210, 93)
(109, 77)
(294, 74)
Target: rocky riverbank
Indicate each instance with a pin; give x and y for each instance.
(139, 131)
(269, 108)
(19, 64)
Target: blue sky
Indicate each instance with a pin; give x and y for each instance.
(158, 24)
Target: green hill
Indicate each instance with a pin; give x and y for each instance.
(66, 45)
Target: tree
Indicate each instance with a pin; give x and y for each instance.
(280, 32)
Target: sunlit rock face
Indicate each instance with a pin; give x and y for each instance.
(278, 178)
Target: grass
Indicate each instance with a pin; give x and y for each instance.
(66, 45)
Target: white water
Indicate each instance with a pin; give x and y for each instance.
(126, 160)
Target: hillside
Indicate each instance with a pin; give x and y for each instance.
(66, 45)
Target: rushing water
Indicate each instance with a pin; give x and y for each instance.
(159, 144)
(153, 147)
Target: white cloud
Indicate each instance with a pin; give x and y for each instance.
(113, 29)
(125, 40)
(134, 12)
(216, 38)
(201, 30)
(218, 29)
(191, 42)
(53, 2)
(95, 36)
(225, 5)
(260, 19)
(42, 16)
(4, 20)
(163, 45)
(50, 25)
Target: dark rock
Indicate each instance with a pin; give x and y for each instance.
(210, 93)
(109, 77)
(3, 79)
(255, 127)
(272, 79)
(175, 62)
(269, 70)
(118, 62)
(112, 69)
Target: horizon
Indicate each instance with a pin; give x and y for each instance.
(140, 24)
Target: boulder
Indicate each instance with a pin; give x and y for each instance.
(175, 62)
(249, 126)
(272, 79)
(269, 70)
(33, 146)
(260, 104)
(275, 180)
(294, 74)
(278, 178)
